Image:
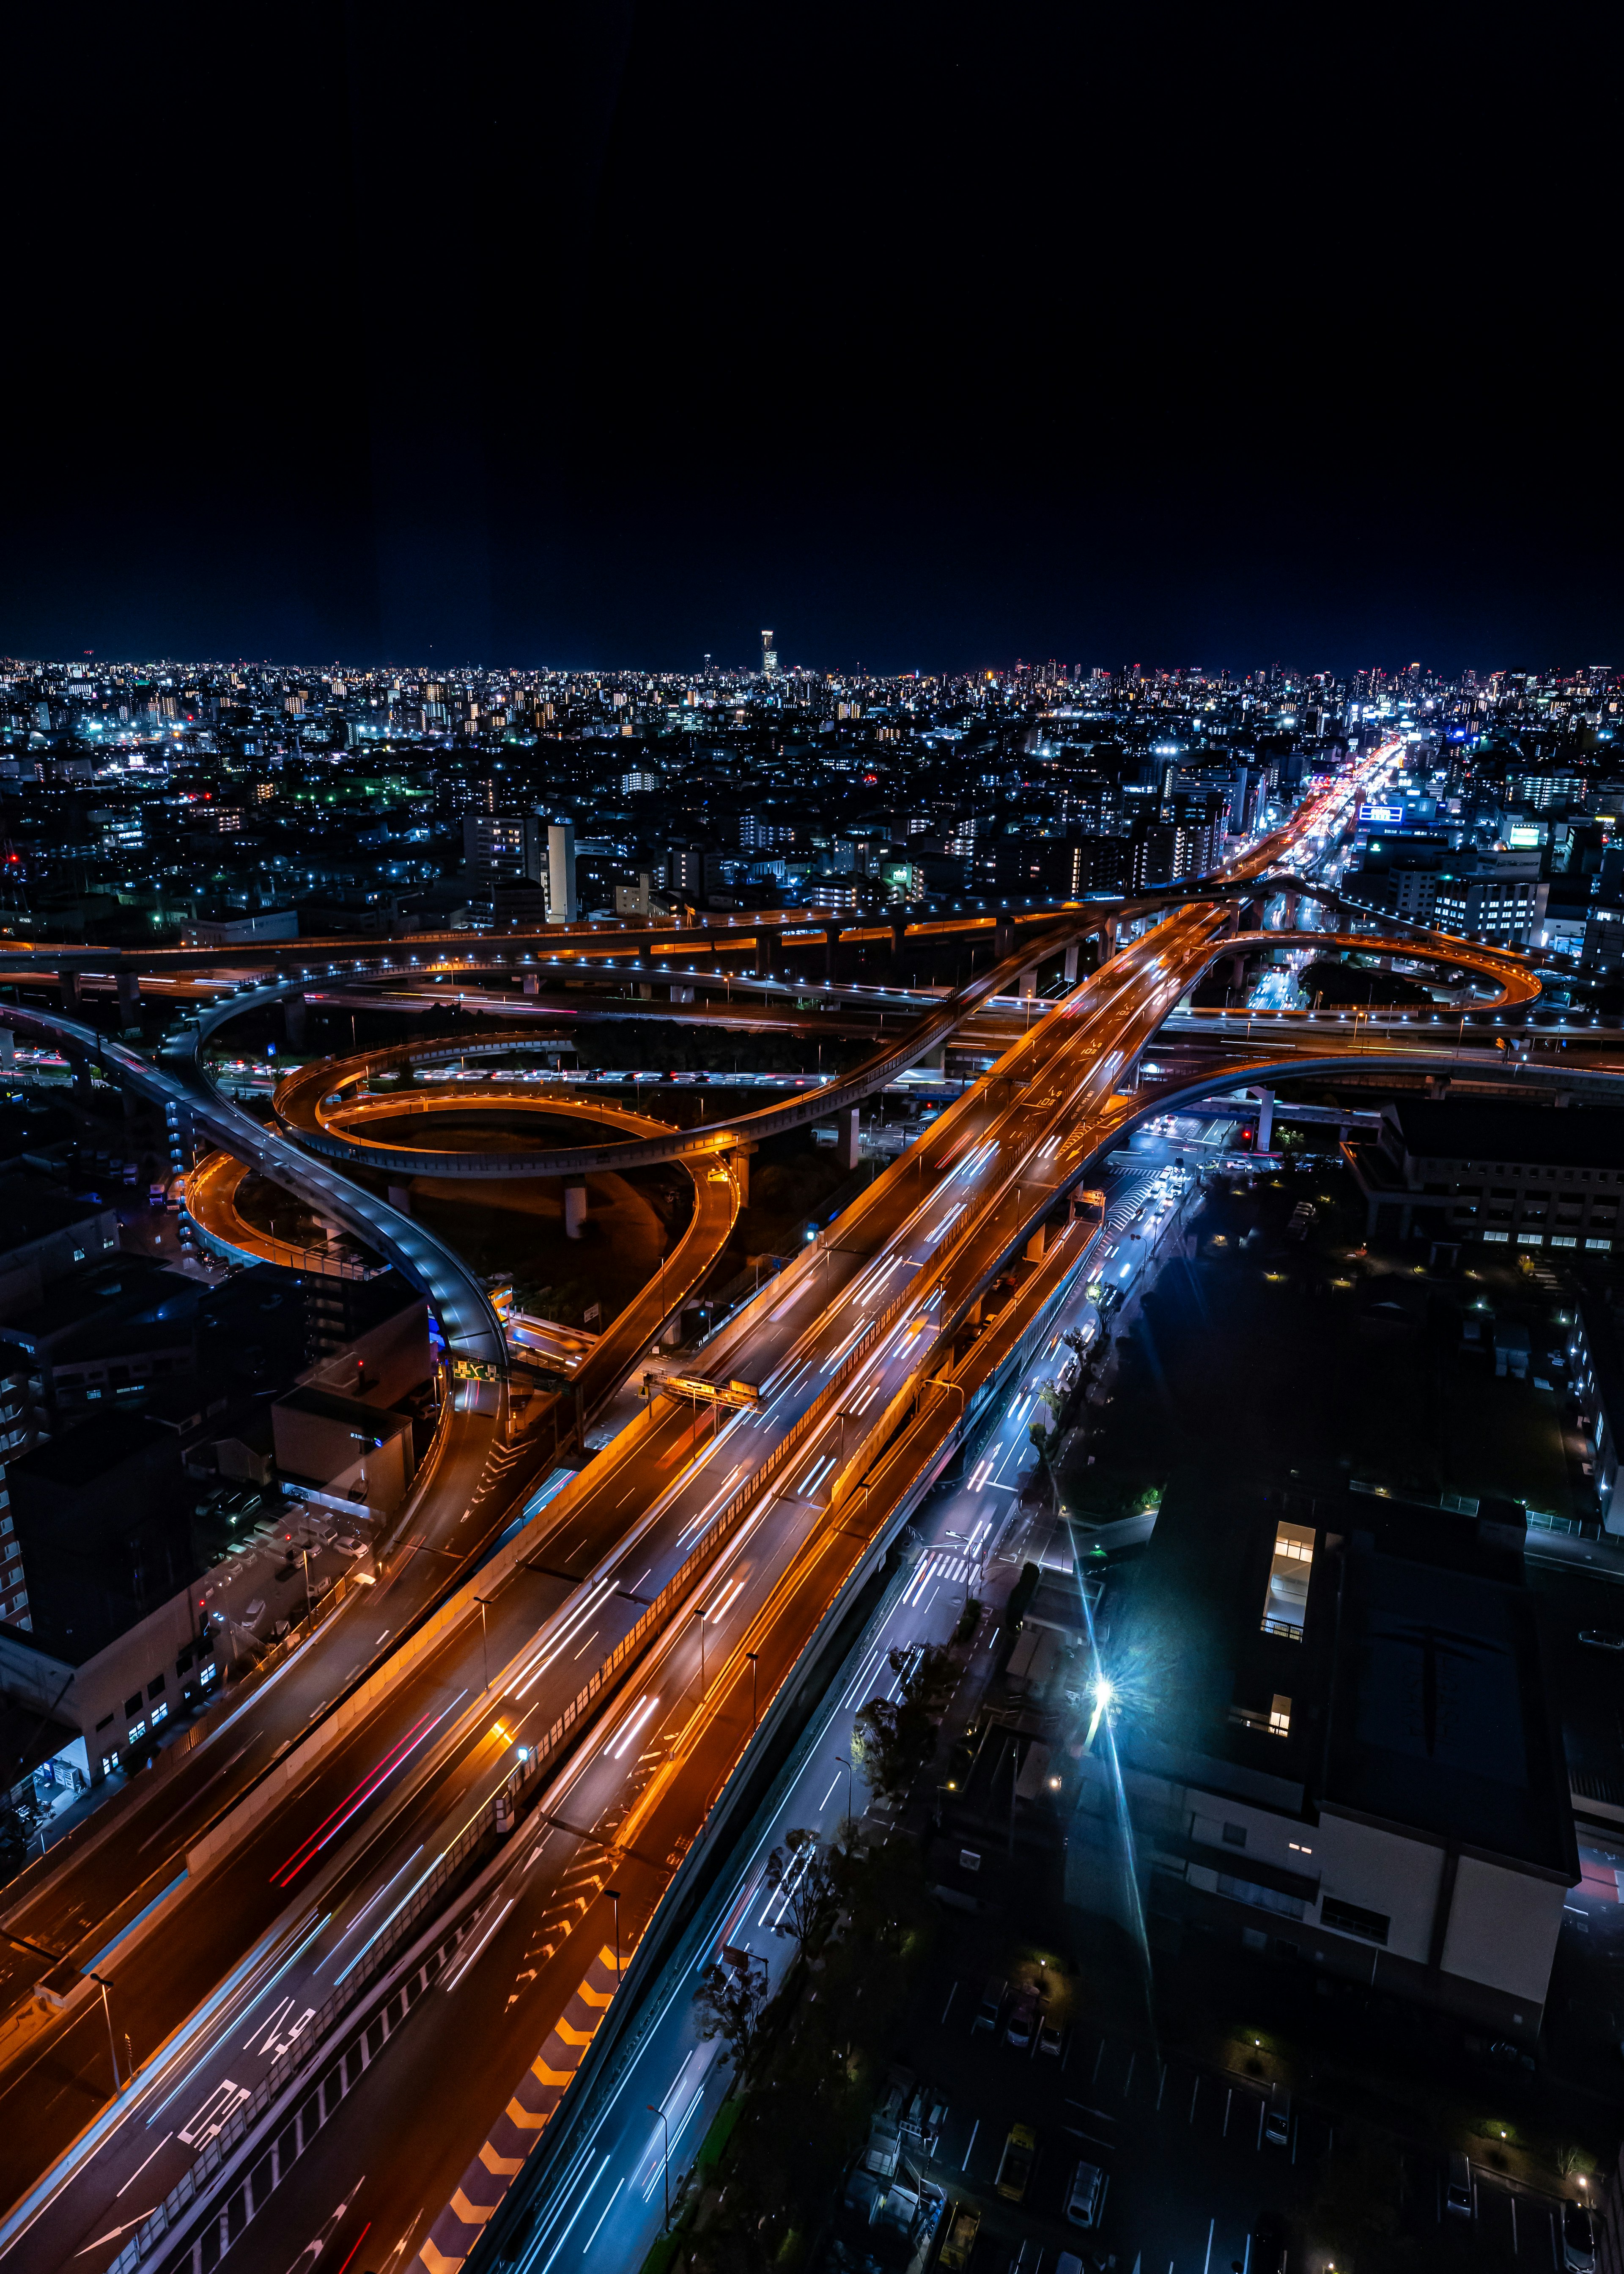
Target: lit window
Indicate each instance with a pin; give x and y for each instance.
(1280, 1716)
(1286, 1596)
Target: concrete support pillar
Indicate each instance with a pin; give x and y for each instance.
(645, 990)
(1035, 1247)
(8, 1048)
(1265, 1120)
(532, 983)
(574, 1210)
(1003, 939)
(681, 994)
(1029, 984)
(399, 1197)
(768, 951)
(898, 929)
(1070, 973)
(68, 982)
(1108, 939)
(741, 1172)
(845, 1142)
(128, 999)
(831, 950)
(934, 1061)
(294, 1020)
(1237, 973)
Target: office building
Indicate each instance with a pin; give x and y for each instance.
(1339, 1749)
(1512, 1175)
(560, 877)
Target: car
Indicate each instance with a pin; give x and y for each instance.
(1265, 2248)
(1601, 1637)
(1020, 2153)
(1578, 2239)
(991, 2006)
(1048, 2038)
(1458, 2187)
(1085, 2196)
(960, 2237)
(1023, 2021)
(1277, 2118)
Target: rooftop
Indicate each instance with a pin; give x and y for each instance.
(31, 1209)
(1572, 1137)
(1349, 1650)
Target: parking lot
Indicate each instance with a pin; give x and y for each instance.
(1190, 2171)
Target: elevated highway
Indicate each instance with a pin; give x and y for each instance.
(304, 1104)
(860, 1341)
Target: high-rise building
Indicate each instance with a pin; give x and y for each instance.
(769, 656)
(502, 858)
(684, 871)
(561, 872)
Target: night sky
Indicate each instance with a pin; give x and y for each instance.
(608, 335)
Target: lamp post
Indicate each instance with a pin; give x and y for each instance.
(614, 1894)
(755, 1695)
(484, 1647)
(845, 1760)
(665, 2161)
(100, 1981)
(700, 1617)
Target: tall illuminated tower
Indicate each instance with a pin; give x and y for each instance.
(769, 656)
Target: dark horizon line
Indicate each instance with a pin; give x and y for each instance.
(786, 670)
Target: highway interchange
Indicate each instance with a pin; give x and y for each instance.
(857, 1351)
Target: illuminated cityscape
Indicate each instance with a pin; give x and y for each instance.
(810, 1374)
(609, 1326)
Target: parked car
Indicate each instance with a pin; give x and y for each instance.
(1020, 2153)
(1458, 2187)
(1023, 2021)
(1048, 2038)
(1578, 2240)
(1267, 2251)
(1086, 2196)
(991, 2006)
(961, 2234)
(1277, 2118)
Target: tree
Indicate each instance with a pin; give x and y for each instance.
(730, 2004)
(893, 1738)
(802, 1872)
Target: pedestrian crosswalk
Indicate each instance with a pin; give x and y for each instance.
(939, 1569)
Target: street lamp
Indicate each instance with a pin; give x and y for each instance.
(700, 1617)
(665, 2162)
(755, 1704)
(56, 1958)
(484, 1648)
(845, 1760)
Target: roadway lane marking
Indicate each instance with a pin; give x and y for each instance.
(140, 2167)
(362, 1913)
